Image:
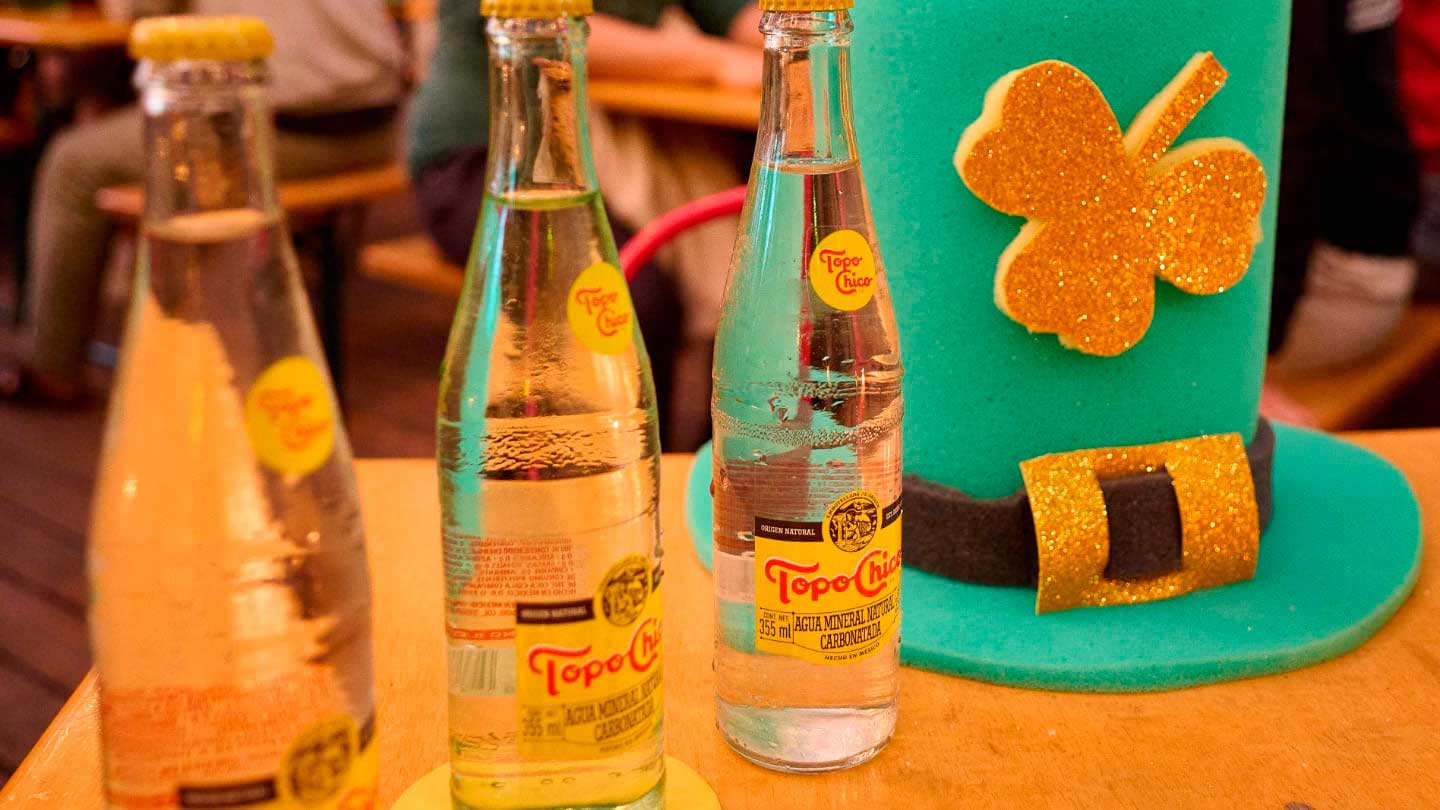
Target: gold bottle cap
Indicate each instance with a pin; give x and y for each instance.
(219, 39)
(806, 5)
(536, 8)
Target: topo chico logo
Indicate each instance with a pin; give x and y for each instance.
(842, 270)
(287, 408)
(603, 306)
(290, 418)
(794, 580)
(580, 668)
(599, 309)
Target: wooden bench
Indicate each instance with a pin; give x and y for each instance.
(412, 261)
(301, 199)
(325, 215)
(415, 261)
(1345, 398)
(62, 29)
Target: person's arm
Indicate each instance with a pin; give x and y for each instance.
(122, 10)
(624, 50)
(130, 10)
(739, 20)
(745, 28)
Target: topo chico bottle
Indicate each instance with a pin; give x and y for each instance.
(230, 607)
(807, 410)
(549, 461)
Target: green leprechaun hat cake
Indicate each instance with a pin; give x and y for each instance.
(1077, 202)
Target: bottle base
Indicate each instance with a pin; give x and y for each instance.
(801, 740)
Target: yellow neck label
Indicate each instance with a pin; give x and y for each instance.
(290, 417)
(599, 310)
(842, 270)
(829, 592)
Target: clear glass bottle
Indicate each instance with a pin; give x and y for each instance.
(549, 462)
(807, 410)
(231, 605)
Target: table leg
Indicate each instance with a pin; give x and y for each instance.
(338, 244)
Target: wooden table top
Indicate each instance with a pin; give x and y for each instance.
(67, 29)
(1359, 731)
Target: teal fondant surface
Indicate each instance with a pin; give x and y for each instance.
(983, 393)
(1341, 554)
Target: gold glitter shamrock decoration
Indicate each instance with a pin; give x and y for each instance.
(1109, 212)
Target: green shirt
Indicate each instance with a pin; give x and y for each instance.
(451, 108)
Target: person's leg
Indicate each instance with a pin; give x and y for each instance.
(1352, 303)
(1373, 208)
(68, 239)
(1361, 275)
(301, 154)
(449, 195)
(1310, 158)
(1427, 238)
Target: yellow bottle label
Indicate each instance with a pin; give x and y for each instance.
(227, 747)
(829, 592)
(290, 417)
(588, 672)
(842, 270)
(599, 310)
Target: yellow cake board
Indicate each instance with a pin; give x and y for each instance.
(684, 790)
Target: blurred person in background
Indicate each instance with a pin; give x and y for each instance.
(1420, 86)
(645, 167)
(1349, 188)
(335, 80)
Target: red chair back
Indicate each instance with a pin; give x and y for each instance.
(650, 239)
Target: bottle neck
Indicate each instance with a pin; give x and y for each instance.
(806, 114)
(539, 133)
(209, 139)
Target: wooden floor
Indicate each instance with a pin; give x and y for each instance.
(395, 338)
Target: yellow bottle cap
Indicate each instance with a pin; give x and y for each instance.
(806, 5)
(536, 8)
(219, 39)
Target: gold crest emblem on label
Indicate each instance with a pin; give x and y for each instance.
(599, 309)
(317, 766)
(851, 522)
(842, 270)
(290, 417)
(622, 596)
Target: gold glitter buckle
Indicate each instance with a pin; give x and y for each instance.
(1219, 518)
